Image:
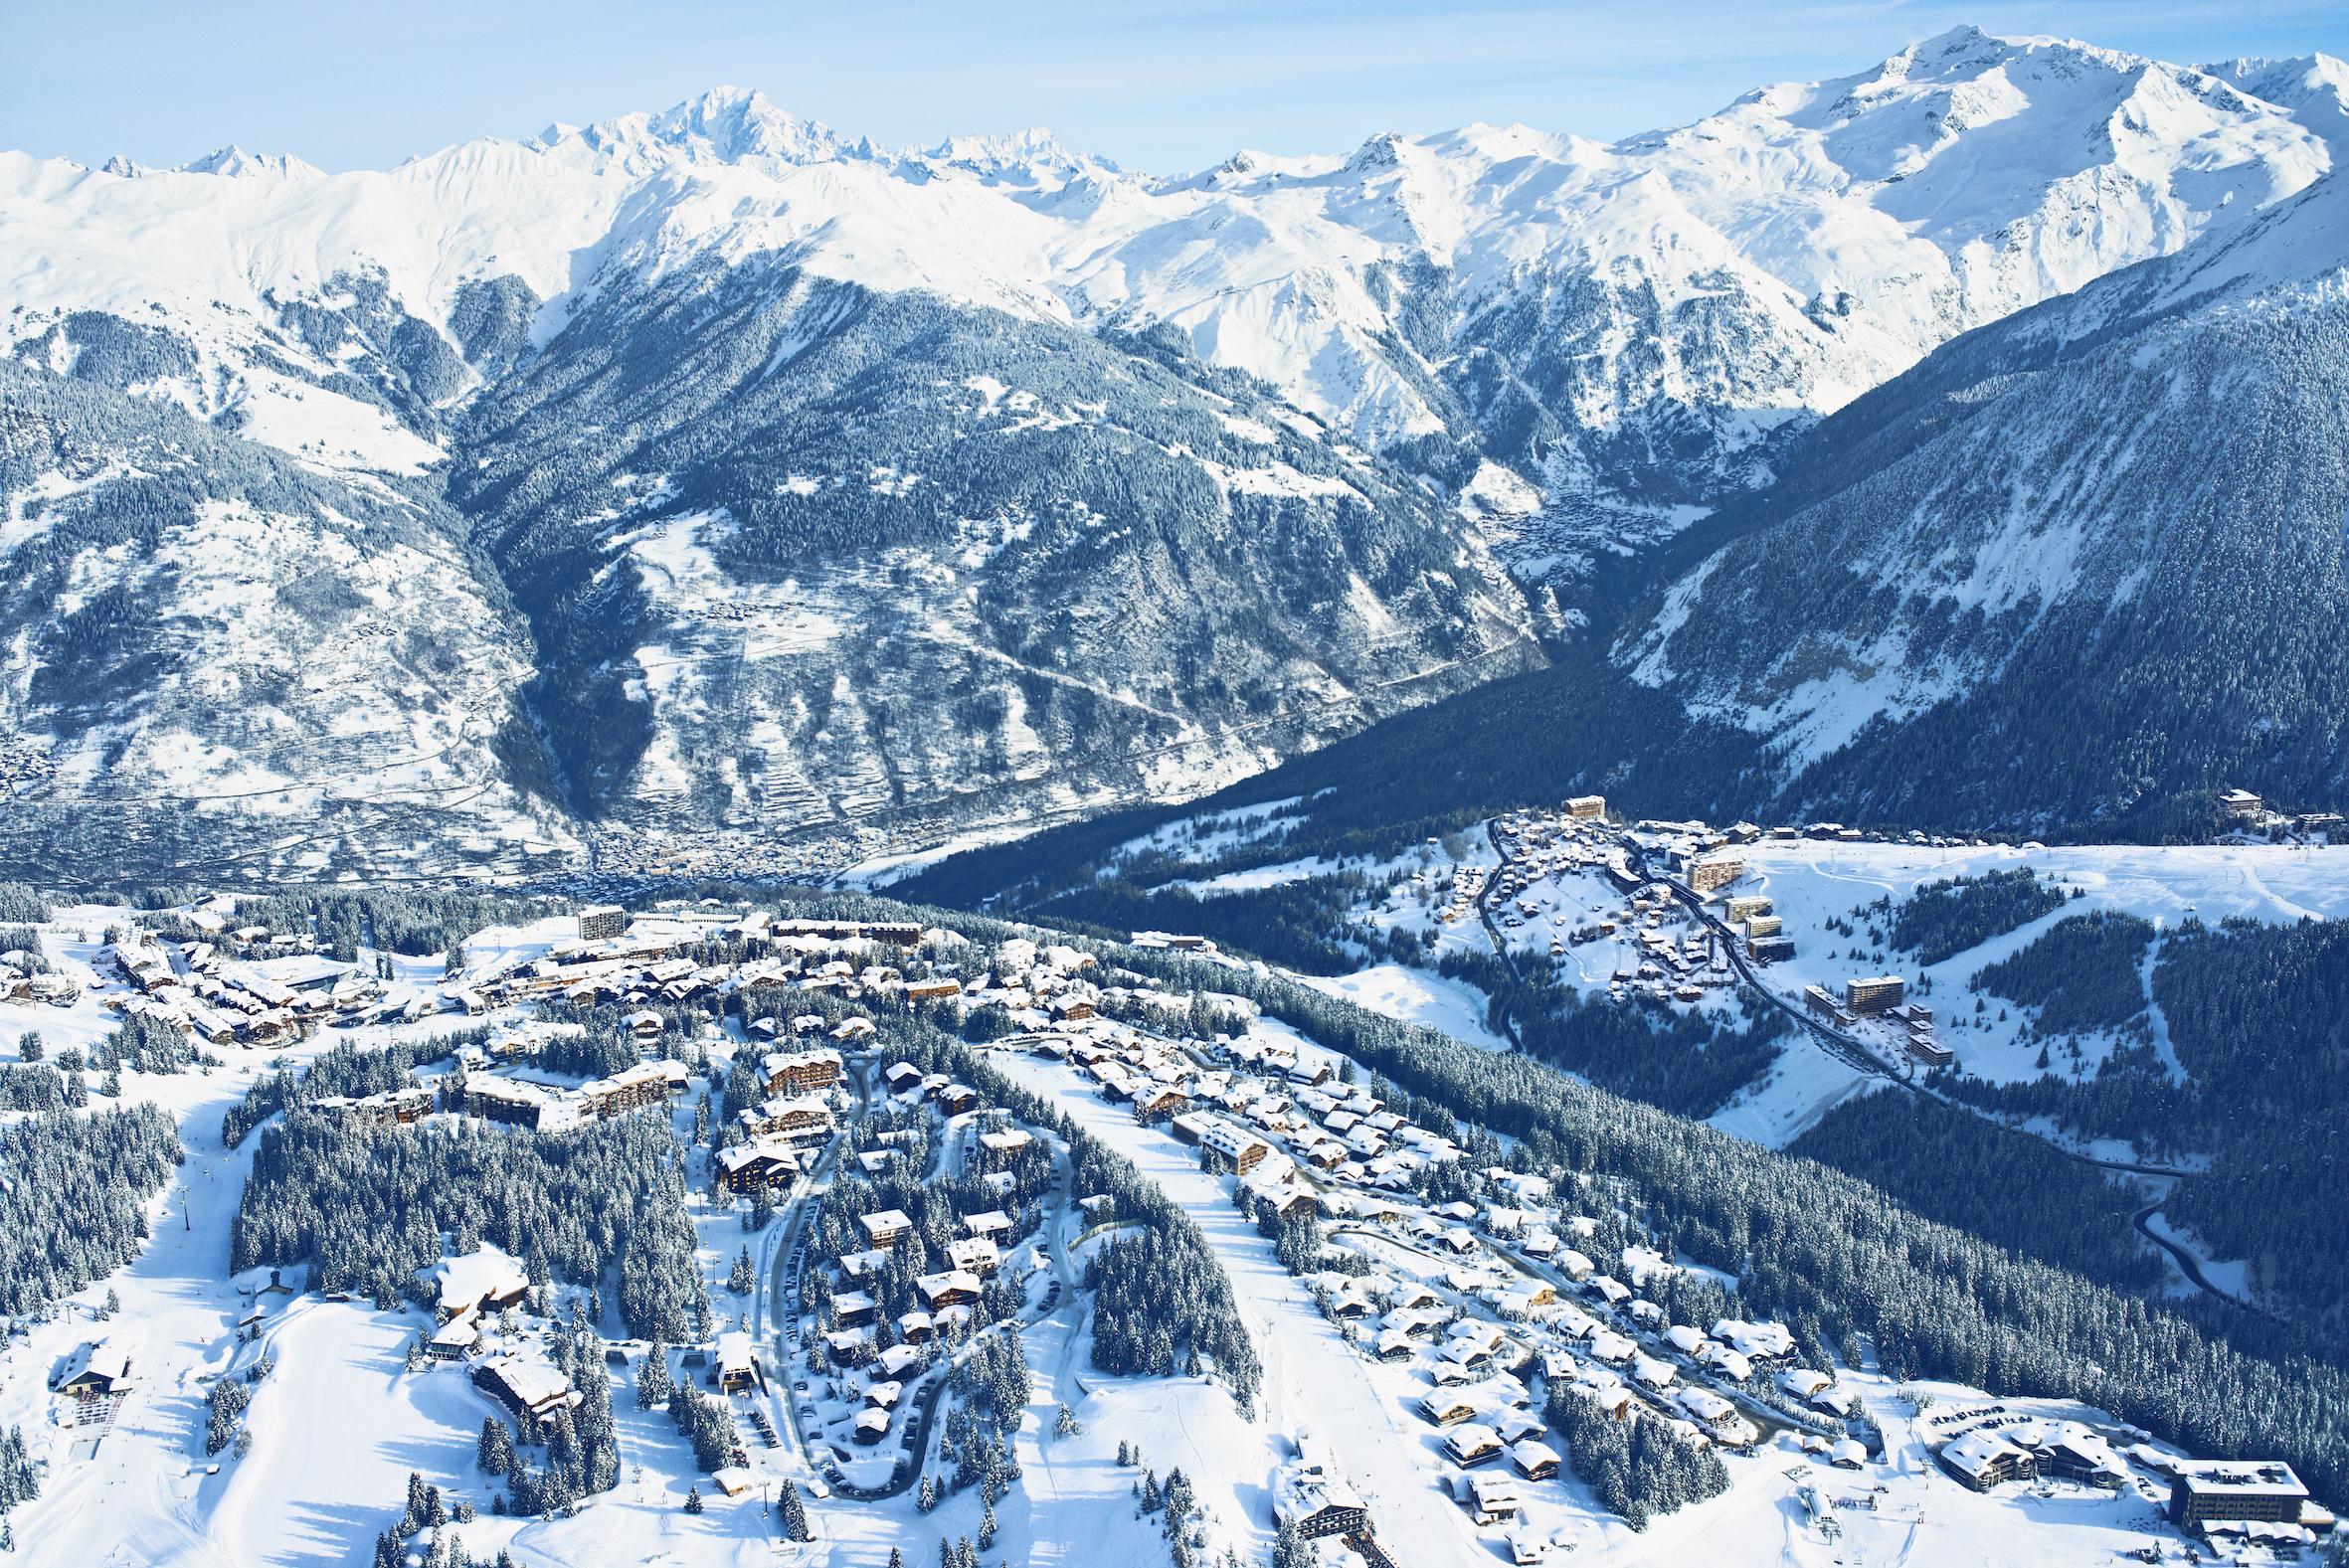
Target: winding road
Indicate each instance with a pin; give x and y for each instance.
(1856, 1053)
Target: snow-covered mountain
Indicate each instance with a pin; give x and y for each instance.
(1628, 324)
(2085, 556)
(219, 659)
(1237, 454)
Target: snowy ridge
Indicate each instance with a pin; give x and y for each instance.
(1767, 263)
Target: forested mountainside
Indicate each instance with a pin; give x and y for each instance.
(2099, 543)
(849, 492)
(848, 553)
(2070, 576)
(212, 646)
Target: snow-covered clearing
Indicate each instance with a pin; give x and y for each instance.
(1413, 995)
(336, 1429)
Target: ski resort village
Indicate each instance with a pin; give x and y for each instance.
(436, 1228)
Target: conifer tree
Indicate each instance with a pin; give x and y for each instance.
(653, 1385)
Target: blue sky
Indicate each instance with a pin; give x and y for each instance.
(1165, 88)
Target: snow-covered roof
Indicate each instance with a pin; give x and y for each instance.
(466, 1282)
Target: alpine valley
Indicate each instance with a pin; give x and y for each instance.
(721, 846)
(705, 487)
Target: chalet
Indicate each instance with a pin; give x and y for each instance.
(954, 1288)
(933, 990)
(901, 1076)
(1152, 1100)
(806, 1120)
(1530, 1548)
(644, 1024)
(1586, 807)
(885, 1395)
(737, 1370)
(869, 1427)
(94, 1372)
(853, 1308)
(1650, 1372)
(1756, 1342)
(1320, 1504)
(993, 1223)
(1804, 1383)
(1983, 1459)
(884, 1229)
(974, 1255)
(454, 1339)
(800, 1071)
(1725, 1361)
(1610, 1396)
(901, 1359)
(1242, 1148)
(388, 1107)
(2073, 1451)
(1445, 1407)
(1492, 1500)
(1533, 1461)
(915, 1327)
(1717, 1416)
(956, 1099)
(2242, 804)
(1005, 1143)
(848, 1346)
(1471, 1443)
(763, 1165)
(1286, 1198)
(530, 1390)
(633, 1088)
(484, 1281)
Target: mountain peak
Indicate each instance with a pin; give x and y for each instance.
(727, 125)
(1034, 154)
(234, 162)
